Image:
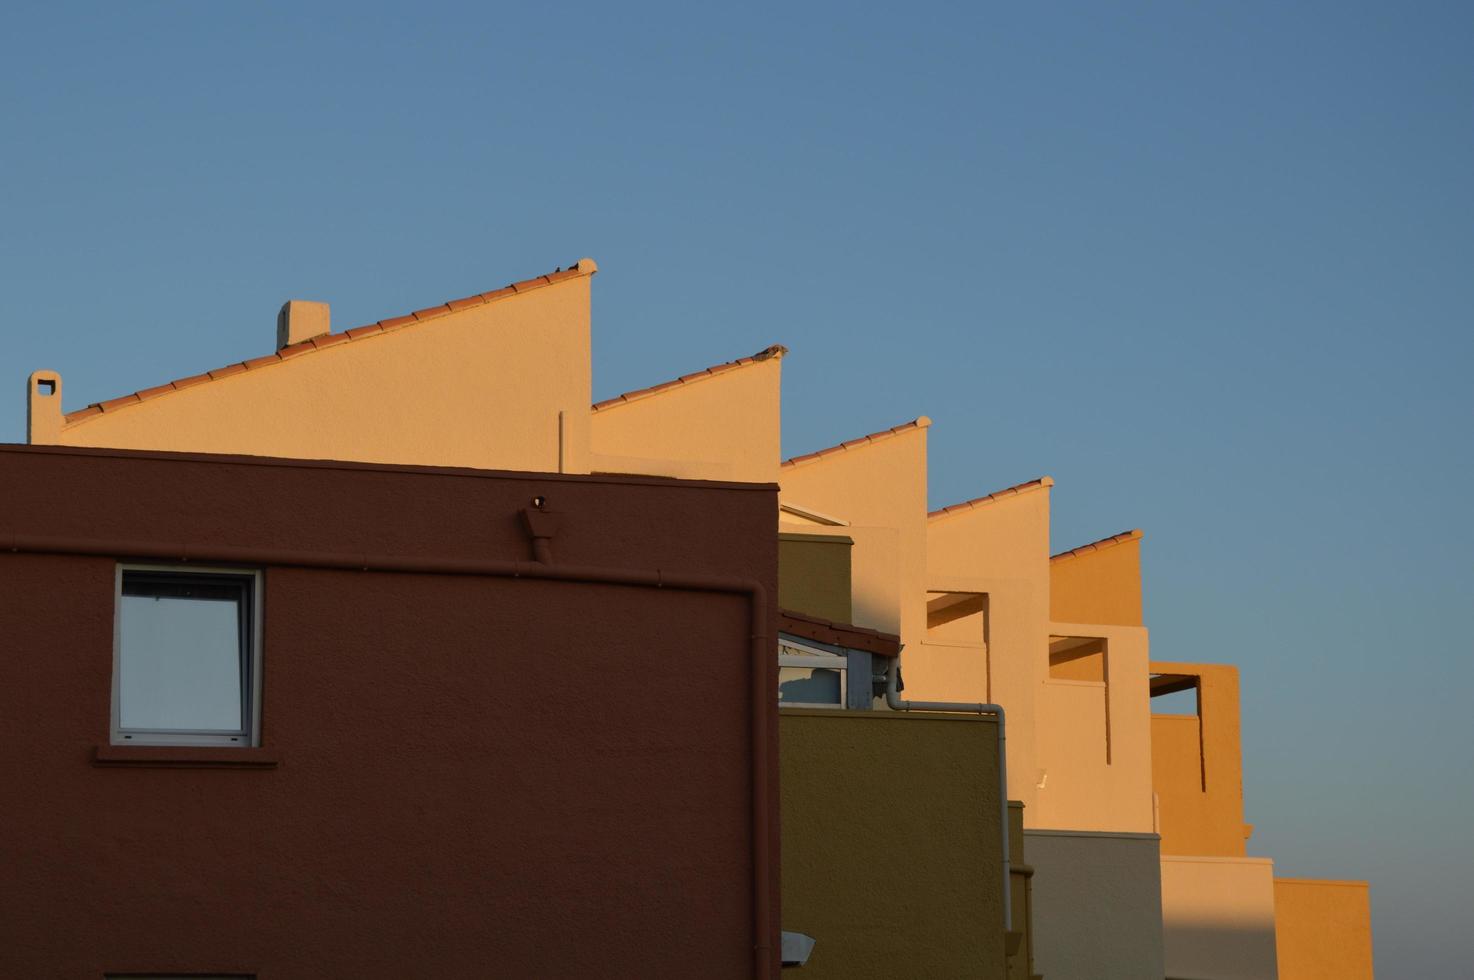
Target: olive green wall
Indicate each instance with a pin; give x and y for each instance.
(814, 575)
(892, 855)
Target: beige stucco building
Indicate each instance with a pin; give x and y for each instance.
(1132, 822)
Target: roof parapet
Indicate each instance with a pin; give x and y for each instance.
(1108, 542)
(773, 352)
(583, 267)
(1040, 483)
(920, 422)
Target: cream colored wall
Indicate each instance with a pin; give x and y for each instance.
(483, 387)
(725, 427)
(875, 571)
(1218, 918)
(1000, 549)
(1095, 739)
(1197, 767)
(880, 484)
(1101, 586)
(1323, 929)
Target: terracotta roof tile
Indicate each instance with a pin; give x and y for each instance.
(584, 267)
(294, 350)
(329, 340)
(768, 353)
(151, 392)
(261, 362)
(1102, 544)
(809, 627)
(532, 283)
(921, 422)
(227, 371)
(117, 403)
(988, 498)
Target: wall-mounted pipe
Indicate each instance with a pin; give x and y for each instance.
(895, 702)
(762, 642)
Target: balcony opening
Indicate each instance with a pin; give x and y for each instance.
(1179, 696)
(960, 619)
(1084, 660)
(1174, 694)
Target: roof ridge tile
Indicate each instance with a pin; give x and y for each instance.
(767, 353)
(1038, 483)
(1106, 542)
(920, 422)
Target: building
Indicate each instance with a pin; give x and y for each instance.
(1131, 831)
(424, 724)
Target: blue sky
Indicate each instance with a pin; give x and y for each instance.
(1210, 266)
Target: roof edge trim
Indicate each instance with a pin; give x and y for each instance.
(1108, 542)
(920, 422)
(773, 352)
(1039, 483)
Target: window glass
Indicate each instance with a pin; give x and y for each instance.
(183, 653)
(810, 685)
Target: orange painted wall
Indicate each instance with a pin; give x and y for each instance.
(720, 427)
(1098, 586)
(486, 386)
(1323, 929)
(1199, 778)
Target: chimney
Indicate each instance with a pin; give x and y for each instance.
(43, 409)
(301, 320)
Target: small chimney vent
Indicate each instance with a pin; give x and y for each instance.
(301, 320)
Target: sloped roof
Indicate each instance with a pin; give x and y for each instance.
(1100, 545)
(988, 498)
(918, 423)
(844, 635)
(584, 267)
(768, 353)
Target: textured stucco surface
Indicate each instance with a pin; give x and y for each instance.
(723, 427)
(892, 854)
(483, 386)
(1323, 929)
(814, 575)
(1097, 905)
(1218, 918)
(1101, 586)
(1197, 767)
(479, 776)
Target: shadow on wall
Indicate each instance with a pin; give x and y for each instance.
(1221, 951)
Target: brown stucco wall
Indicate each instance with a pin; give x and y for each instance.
(814, 575)
(892, 850)
(478, 776)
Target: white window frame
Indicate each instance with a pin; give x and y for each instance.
(807, 656)
(250, 737)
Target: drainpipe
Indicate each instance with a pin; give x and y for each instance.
(541, 524)
(894, 701)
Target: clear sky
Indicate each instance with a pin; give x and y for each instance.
(1210, 266)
